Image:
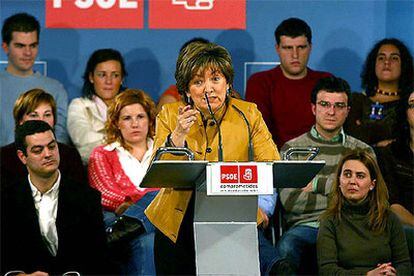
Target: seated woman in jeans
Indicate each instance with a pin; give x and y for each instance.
(117, 168)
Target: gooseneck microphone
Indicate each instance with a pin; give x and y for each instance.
(220, 142)
(251, 152)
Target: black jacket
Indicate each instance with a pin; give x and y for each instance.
(79, 223)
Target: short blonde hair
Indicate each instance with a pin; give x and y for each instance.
(29, 101)
(128, 97)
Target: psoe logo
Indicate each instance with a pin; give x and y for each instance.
(248, 174)
(197, 14)
(238, 174)
(229, 174)
(95, 14)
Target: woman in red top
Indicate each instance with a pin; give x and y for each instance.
(117, 168)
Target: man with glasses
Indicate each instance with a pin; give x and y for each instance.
(302, 207)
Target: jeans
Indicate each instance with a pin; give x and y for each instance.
(267, 253)
(294, 241)
(137, 211)
(141, 258)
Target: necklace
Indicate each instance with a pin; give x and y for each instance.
(387, 93)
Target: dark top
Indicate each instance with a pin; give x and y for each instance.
(397, 165)
(80, 229)
(349, 247)
(70, 164)
(369, 122)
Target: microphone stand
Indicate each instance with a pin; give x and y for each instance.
(220, 142)
(251, 152)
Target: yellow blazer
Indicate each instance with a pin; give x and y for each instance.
(167, 210)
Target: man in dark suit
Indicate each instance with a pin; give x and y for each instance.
(49, 223)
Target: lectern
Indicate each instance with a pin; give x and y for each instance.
(225, 228)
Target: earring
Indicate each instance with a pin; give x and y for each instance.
(371, 188)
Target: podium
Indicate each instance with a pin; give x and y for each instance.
(225, 226)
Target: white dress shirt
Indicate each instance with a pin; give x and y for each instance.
(46, 207)
(133, 168)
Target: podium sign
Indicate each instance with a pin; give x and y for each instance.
(239, 178)
(225, 207)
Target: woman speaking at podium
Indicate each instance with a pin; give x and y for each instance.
(215, 127)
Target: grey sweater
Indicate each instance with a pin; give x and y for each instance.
(305, 207)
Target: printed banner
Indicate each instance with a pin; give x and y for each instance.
(239, 178)
(197, 14)
(95, 14)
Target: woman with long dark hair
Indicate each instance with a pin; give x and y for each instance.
(103, 77)
(358, 233)
(386, 78)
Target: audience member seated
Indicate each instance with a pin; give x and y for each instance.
(387, 77)
(282, 93)
(36, 104)
(50, 225)
(103, 77)
(20, 34)
(117, 168)
(359, 235)
(302, 207)
(397, 165)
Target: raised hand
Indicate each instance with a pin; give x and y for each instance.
(185, 120)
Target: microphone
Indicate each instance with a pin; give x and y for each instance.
(251, 152)
(220, 142)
